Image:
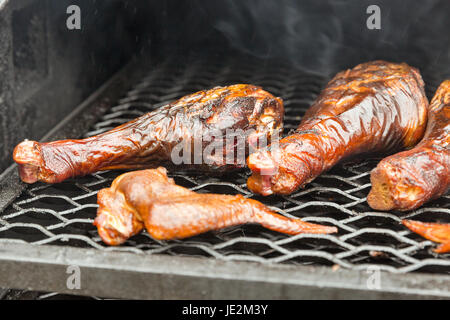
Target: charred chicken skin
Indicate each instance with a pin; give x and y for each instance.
(148, 198)
(195, 121)
(432, 231)
(408, 179)
(375, 107)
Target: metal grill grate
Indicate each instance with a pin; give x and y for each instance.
(62, 214)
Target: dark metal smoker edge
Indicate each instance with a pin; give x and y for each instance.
(140, 276)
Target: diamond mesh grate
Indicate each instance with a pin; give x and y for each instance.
(62, 214)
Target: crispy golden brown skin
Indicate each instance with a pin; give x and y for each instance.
(375, 107)
(149, 140)
(432, 231)
(148, 198)
(408, 179)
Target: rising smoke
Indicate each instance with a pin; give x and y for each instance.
(327, 36)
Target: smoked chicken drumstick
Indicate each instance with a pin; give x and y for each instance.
(406, 180)
(195, 121)
(148, 198)
(375, 107)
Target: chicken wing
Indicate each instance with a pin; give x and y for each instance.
(432, 231)
(148, 198)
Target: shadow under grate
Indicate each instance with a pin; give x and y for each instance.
(62, 214)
